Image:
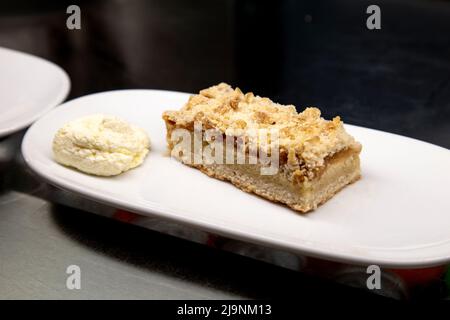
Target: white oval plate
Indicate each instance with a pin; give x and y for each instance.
(397, 215)
(29, 87)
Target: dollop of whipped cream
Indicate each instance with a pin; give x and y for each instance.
(101, 144)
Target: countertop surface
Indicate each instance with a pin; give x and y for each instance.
(301, 52)
(39, 240)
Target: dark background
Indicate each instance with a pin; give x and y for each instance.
(395, 79)
(312, 52)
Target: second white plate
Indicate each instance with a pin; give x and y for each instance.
(397, 215)
(30, 86)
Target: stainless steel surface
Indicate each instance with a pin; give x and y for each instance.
(37, 244)
(40, 239)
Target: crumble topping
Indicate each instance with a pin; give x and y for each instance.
(306, 137)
